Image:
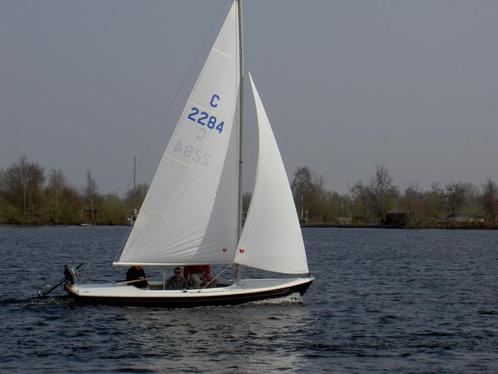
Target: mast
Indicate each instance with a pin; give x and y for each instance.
(241, 112)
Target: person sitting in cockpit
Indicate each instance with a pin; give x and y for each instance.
(135, 276)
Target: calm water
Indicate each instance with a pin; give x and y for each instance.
(383, 300)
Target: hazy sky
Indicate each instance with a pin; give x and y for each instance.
(347, 85)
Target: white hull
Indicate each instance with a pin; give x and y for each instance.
(245, 291)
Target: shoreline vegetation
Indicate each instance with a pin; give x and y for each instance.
(31, 196)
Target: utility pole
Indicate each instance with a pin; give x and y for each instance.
(134, 173)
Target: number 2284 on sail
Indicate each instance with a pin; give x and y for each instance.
(204, 119)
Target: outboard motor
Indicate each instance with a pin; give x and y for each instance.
(71, 275)
(70, 278)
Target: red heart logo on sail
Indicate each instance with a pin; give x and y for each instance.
(241, 250)
(225, 249)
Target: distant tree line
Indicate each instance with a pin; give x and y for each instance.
(369, 202)
(29, 195)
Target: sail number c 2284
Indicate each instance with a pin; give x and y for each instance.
(204, 119)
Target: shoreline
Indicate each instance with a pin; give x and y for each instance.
(446, 226)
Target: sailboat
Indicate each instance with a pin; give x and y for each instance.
(192, 213)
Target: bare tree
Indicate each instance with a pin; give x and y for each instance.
(414, 205)
(23, 183)
(91, 194)
(435, 201)
(63, 201)
(455, 196)
(378, 196)
(55, 187)
(384, 190)
(489, 200)
(302, 189)
(135, 197)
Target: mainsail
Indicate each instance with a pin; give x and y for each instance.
(189, 215)
(271, 239)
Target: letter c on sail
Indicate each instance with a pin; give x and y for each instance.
(214, 98)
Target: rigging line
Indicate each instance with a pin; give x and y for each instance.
(161, 123)
(217, 276)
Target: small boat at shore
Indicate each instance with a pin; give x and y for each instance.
(192, 213)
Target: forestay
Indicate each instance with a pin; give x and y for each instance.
(271, 239)
(189, 215)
